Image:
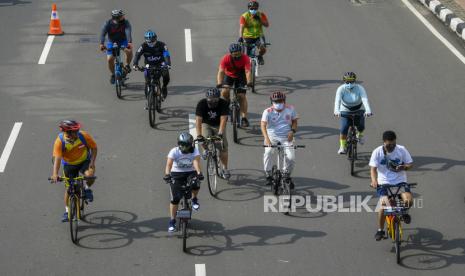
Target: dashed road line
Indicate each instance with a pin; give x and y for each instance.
(48, 45)
(9, 145)
(187, 34)
(200, 270)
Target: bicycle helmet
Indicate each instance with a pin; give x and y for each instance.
(150, 36)
(186, 143)
(235, 47)
(349, 77)
(277, 95)
(212, 93)
(69, 125)
(253, 5)
(116, 13)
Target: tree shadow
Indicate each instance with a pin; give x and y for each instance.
(429, 163)
(6, 3)
(187, 89)
(266, 84)
(362, 170)
(174, 118)
(426, 249)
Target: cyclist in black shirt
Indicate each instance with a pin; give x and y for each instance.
(156, 54)
(211, 116)
(118, 30)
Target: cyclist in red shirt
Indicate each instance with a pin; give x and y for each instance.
(235, 71)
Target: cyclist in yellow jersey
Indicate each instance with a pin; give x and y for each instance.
(251, 29)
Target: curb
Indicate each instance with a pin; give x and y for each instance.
(447, 16)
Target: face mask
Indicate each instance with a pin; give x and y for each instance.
(278, 106)
(390, 147)
(253, 12)
(350, 85)
(237, 58)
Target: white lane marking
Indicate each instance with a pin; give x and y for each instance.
(9, 145)
(200, 270)
(187, 34)
(435, 32)
(48, 45)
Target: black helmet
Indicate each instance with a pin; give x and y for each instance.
(253, 5)
(116, 13)
(186, 142)
(349, 77)
(235, 47)
(212, 93)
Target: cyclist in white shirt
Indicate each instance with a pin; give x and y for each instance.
(279, 124)
(351, 98)
(182, 162)
(388, 165)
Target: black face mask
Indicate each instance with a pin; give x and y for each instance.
(390, 147)
(237, 58)
(212, 103)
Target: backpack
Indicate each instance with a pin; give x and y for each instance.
(80, 136)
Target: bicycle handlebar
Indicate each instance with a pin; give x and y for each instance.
(62, 178)
(281, 146)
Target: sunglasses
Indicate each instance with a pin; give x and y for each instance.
(347, 82)
(236, 54)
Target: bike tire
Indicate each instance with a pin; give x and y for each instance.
(158, 99)
(73, 219)
(276, 180)
(254, 73)
(118, 87)
(151, 108)
(397, 240)
(286, 191)
(235, 122)
(184, 235)
(212, 174)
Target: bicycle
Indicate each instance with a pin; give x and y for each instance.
(235, 111)
(214, 170)
(394, 215)
(281, 180)
(352, 139)
(120, 72)
(254, 60)
(184, 213)
(76, 202)
(153, 91)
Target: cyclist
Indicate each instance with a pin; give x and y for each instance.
(155, 53)
(211, 117)
(388, 164)
(351, 98)
(118, 30)
(234, 70)
(251, 29)
(77, 151)
(279, 124)
(182, 162)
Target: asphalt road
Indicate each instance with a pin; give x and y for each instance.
(415, 86)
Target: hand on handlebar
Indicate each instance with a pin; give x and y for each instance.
(167, 179)
(220, 85)
(129, 47)
(374, 184)
(200, 138)
(200, 176)
(54, 178)
(267, 142)
(337, 114)
(102, 47)
(368, 115)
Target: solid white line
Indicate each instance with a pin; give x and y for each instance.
(436, 33)
(48, 45)
(200, 270)
(9, 145)
(187, 34)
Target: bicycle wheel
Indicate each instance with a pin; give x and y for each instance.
(254, 70)
(184, 235)
(235, 122)
(118, 84)
(151, 107)
(73, 219)
(212, 177)
(397, 240)
(286, 191)
(158, 99)
(276, 180)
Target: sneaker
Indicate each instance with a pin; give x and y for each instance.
(164, 92)
(342, 150)
(244, 122)
(226, 174)
(172, 226)
(195, 204)
(112, 79)
(379, 235)
(261, 61)
(89, 195)
(127, 68)
(406, 218)
(65, 217)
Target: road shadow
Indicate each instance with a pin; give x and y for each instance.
(361, 169)
(174, 118)
(239, 239)
(267, 84)
(187, 89)
(438, 164)
(426, 249)
(7, 3)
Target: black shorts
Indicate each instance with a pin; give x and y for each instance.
(241, 81)
(176, 190)
(72, 171)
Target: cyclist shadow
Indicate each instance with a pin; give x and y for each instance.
(266, 84)
(244, 185)
(187, 90)
(362, 170)
(439, 164)
(133, 86)
(239, 239)
(174, 118)
(430, 251)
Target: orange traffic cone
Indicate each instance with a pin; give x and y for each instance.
(55, 25)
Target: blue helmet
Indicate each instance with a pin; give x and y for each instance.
(212, 93)
(150, 36)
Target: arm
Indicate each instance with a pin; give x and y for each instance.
(263, 126)
(366, 104)
(337, 102)
(264, 20)
(223, 120)
(167, 56)
(137, 56)
(196, 165)
(169, 165)
(56, 167)
(128, 31)
(290, 135)
(242, 23)
(93, 157)
(374, 177)
(198, 125)
(220, 76)
(248, 76)
(103, 33)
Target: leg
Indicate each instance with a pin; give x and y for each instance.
(268, 159)
(128, 56)
(360, 124)
(407, 198)
(173, 210)
(111, 64)
(241, 82)
(344, 129)
(166, 79)
(244, 105)
(289, 157)
(224, 156)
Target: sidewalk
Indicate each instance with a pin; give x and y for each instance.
(451, 12)
(457, 6)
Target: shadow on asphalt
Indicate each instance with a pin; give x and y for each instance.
(426, 249)
(174, 118)
(439, 164)
(266, 84)
(6, 3)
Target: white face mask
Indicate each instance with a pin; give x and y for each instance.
(350, 85)
(253, 12)
(278, 106)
